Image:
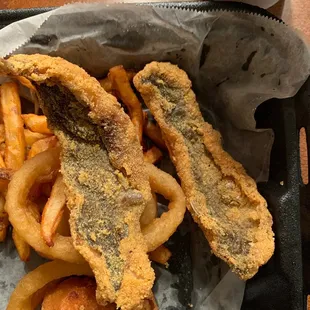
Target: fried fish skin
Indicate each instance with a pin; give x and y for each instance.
(221, 197)
(103, 169)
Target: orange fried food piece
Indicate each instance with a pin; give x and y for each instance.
(75, 293)
(36, 123)
(221, 197)
(42, 145)
(15, 145)
(153, 155)
(32, 137)
(121, 84)
(4, 221)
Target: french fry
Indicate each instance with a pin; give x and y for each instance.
(106, 83)
(22, 246)
(152, 131)
(2, 149)
(15, 145)
(121, 84)
(2, 133)
(161, 255)
(150, 212)
(53, 211)
(4, 221)
(42, 145)
(36, 123)
(2, 164)
(32, 137)
(2, 140)
(152, 155)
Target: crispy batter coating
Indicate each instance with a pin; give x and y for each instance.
(221, 197)
(102, 164)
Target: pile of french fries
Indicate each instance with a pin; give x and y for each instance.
(22, 136)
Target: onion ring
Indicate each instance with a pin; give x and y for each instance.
(160, 229)
(21, 298)
(25, 224)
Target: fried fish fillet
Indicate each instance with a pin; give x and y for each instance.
(221, 197)
(106, 183)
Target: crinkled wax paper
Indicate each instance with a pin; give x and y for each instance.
(236, 61)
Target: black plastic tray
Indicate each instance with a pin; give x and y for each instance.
(281, 284)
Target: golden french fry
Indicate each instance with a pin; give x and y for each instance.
(2, 133)
(4, 221)
(22, 246)
(2, 149)
(53, 211)
(161, 255)
(15, 145)
(106, 83)
(42, 145)
(2, 163)
(150, 212)
(121, 84)
(32, 137)
(36, 123)
(152, 155)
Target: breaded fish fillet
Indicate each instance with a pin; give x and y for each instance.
(104, 173)
(221, 197)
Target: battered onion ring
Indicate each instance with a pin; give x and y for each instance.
(160, 229)
(150, 212)
(24, 223)
(21, 298)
